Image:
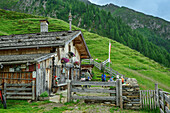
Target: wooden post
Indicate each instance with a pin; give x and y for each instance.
(163, 100)
(33, 90)
(156, 95)
(117, 92)
(159, 98)
(166, 103)
(72, 74)
(5, 89)
(68, 90)
(141, 98)
(76, 75)
(120, 94)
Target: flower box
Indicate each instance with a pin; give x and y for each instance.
(76, 63)
(64, 60)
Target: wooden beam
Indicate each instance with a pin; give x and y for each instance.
(93, 90)
(94, 98)
(95, 83)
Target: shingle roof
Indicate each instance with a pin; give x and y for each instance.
(24, 58)
(47, 39)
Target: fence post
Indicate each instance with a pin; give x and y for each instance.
(33, 90)
(166, 103)
(5, 89)
(68, 90)
(156, 95)
(117, 92)
(120, 94)
(72, 74)
(159, 98)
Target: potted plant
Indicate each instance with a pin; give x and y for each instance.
(76, 63)
(43, 96)
(64, 60)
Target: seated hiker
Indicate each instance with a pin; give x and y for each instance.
(103, 77)
(122, 80)
(111, 79)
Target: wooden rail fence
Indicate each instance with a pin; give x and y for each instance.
(152, 99)
(107, 69)
(20, 91)
(117, 99)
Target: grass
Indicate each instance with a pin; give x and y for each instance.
(22, 106)
(124, 60)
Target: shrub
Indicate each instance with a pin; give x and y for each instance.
(44, 94)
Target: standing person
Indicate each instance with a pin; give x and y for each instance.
(103, 77)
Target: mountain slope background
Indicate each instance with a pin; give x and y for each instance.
(124, 60)
(94, 19)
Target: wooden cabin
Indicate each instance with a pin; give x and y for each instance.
(35, 60)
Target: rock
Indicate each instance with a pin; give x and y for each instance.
(130, 89)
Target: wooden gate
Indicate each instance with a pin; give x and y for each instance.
(148, 99)
(20, 91)
(113, 91)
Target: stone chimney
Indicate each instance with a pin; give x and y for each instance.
(70, 20)
(44, 25)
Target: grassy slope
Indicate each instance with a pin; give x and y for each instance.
(125, 60)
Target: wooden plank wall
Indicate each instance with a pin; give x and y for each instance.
(43, 77)
(26, 51)
(15, 77)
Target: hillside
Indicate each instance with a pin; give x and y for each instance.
(157, 29)
(95, 20)
(124, 60)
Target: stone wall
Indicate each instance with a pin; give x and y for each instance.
(131, 94)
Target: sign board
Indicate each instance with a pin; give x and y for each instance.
(11, 69)
(23, 66)
(34, 74)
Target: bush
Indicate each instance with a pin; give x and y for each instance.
(44, 94)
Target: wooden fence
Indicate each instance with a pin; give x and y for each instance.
(117, 91)
(163, 100)
(148, 99)
(97, 65)
(155, 98)
(107, 69)
(20, 91)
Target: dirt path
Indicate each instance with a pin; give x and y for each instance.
(138, 74)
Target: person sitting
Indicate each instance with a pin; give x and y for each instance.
(111, 79)
(122, 80)
(103, 77)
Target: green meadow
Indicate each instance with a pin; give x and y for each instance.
(124, 60)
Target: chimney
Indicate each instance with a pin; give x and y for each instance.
(44, 25)
(70, 20)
